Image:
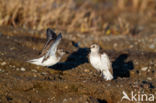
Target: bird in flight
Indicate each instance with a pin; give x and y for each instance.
(50, 55)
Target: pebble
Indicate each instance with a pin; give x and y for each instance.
(22, 69)
(115, 45)
(33, 70)
(149, 78)
(144, 68)
(86, 70)
(152, 46)
(35, 75)
(3, 63)
(17, 69)
(148, 70)
(131, 46)
(65, 100)
(44, 73)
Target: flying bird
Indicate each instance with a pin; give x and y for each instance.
(101, 62)
(50, 55)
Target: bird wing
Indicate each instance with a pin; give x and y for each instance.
(53, 47)
(50, 34)
(105, 60)
(51, 37)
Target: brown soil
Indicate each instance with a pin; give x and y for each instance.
(74, 80)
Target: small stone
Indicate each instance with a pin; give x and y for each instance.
(3, 63)
(152, 46)
(65, 100)
(132, 72)
(149, 78)
(144, 68)
(131, 46)
(66, 87)
(108, 85)
(35, 75)
(146, 86)
(148, 70)
(33, 70)
(86, 70)
(44, 73)
(22, 69)
(115, 45)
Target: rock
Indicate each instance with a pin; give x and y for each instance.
(152, 46)
(115, 45)
(131, 46)
(44, 73)
(149, 78)
(17, 69)
(33, 70)
(3, 63)
(23, 69)
(144, 68)
(86, 70)
(65, 100)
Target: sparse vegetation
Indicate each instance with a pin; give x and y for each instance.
(74, 15)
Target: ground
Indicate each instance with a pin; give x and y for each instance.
(74, 80)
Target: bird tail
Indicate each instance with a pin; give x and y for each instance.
(35, 61)
(107, 75)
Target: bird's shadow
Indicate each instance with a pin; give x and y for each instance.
(73, 60)
(121, 68)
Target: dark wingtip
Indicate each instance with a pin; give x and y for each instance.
(50, 34)
(60, 35)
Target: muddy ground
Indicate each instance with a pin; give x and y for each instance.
(74, 80)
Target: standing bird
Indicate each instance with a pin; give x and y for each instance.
(50, 55)
(101, 62)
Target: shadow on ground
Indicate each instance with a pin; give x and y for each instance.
(121, 68)
(75, 59)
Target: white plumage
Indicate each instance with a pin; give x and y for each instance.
(50, 55)
(101, 62)
(49, 62)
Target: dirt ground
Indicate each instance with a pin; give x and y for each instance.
(74, 80)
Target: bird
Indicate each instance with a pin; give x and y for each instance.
(50, 55)
(101, 62)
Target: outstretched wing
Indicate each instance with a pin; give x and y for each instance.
(53, 47)
(50, 34)
(51, 37)
(106, 61)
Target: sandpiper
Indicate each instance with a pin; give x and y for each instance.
(50, 55)
(101, 62)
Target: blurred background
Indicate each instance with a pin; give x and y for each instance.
(84, 16)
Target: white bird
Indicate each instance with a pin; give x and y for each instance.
(101, 62)
(50, 55)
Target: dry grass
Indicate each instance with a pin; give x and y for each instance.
(68, 15)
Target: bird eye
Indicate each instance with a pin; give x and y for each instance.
(93, 46)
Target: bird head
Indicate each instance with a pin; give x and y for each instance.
(94, 48)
